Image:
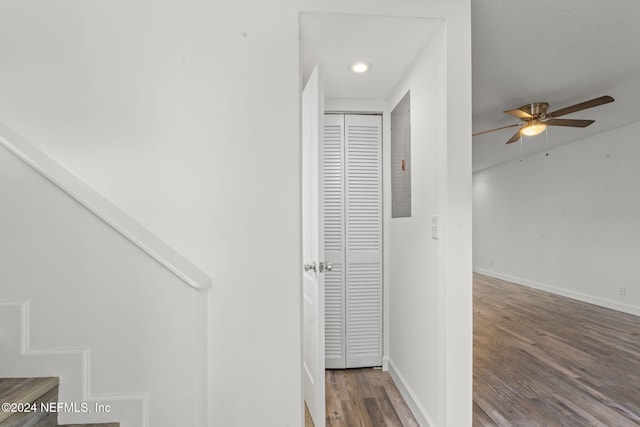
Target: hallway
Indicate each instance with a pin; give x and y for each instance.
(364, 398)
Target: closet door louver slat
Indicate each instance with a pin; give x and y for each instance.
(333, 205)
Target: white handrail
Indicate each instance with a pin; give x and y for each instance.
(104, 209)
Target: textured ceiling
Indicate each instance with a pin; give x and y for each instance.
(562, 52)
(389, 44)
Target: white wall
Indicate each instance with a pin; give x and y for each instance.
(429, 280)
(568, 223)
(186, 115)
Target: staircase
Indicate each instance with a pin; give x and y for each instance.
(68, 259)
(33, 402)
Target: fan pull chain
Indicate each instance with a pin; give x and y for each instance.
(546, 137)
(521, 149)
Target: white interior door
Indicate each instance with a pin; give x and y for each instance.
(312, 249)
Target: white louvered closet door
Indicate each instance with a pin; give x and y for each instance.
(333, 204)
(353, 225)
(363, 187)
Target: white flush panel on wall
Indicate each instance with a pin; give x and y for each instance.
(401, 159)
(352, 174)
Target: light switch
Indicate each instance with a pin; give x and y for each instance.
(435, 233)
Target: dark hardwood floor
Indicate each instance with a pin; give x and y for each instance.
(363, 398)
(545, 360)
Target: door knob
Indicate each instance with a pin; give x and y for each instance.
(325, 266)
(311, 266)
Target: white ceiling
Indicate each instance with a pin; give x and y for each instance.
(389, 44)
(561, 52)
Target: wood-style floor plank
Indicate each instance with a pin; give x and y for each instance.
(308, 421)
(28, 390)
(364, 398)
(541, 359)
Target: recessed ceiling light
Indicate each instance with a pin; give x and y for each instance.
(360, 67)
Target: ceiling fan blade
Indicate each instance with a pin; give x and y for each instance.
(519, 113)
(516, 136)
(569, 122)
(581, 106)
(493, 130)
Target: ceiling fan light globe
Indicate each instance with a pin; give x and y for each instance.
(533, 129)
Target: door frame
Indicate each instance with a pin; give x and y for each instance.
(381, 108)
(376, 109)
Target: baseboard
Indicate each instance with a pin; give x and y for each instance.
(385, 363)
(602, 302)
(418, 411)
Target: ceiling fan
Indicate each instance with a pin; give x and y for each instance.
(535, 118)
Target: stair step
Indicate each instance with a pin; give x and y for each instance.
(33, 391)
(28, 390)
